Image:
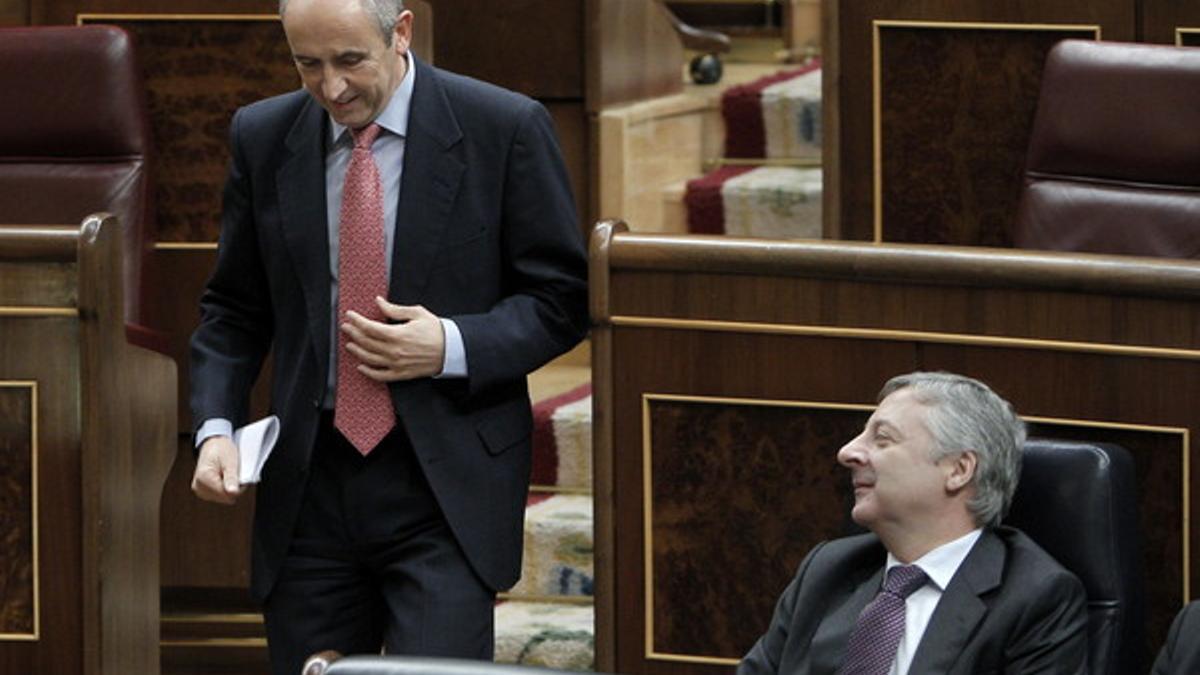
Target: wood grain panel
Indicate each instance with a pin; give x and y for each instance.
(531, 46)
(740, 492)
(955, 106)
(1160, 19)
(56, 370)
(18, 460)
(198, 71)
(848, 57)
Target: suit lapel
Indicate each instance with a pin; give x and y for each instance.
(829, 641)
(429, 183)
(300, 182)
(960, 609)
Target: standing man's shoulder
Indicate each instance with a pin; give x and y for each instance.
(270, 117)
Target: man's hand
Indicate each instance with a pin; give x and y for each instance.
(216, 477)
(413, 346)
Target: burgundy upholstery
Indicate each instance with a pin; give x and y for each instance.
(75, 140)
(1114, 158)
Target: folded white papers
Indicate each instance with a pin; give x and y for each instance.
(254, 443)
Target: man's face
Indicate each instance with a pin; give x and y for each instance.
(343, 60)
(895, 481)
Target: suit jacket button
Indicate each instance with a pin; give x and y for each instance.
(316, 403)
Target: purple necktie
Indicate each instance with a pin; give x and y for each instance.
(363, 411)
(876, 635)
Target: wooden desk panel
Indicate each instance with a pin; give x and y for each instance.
(709, 492)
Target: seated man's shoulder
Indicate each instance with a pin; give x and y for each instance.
(1029, 565)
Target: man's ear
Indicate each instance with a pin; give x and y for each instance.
(960, 469)
(402, 33)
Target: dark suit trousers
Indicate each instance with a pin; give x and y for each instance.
(373, 564)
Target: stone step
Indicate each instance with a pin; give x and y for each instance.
(558, 548)
(547, 634)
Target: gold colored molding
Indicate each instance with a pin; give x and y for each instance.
(1180, 31)
(214, 617)
(185, 246)
(877, 93)
(648, 494)
(88, 17)
(648, 505)
(560, 489)
(254, 642)
(32, 386)
(10, 311)
(906, 335)
(581, 600)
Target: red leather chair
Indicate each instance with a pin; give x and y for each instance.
(75, 140)
(1114, 158)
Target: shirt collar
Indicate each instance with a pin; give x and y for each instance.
(394, 117)
(941, 563)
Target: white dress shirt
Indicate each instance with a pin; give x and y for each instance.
(939, 565)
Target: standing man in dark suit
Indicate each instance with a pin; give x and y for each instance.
(938, 586)
(404, 242)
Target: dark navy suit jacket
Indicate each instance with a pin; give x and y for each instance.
(1010, 608)
(1181, 653)
(486, 235)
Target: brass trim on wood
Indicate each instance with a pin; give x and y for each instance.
(254, 642)
(876, 88)
(902, 335)
(581, 600)
(32, 386)
(90, 17)
(560, 489)
(1180, 31)
(213, 617)
(648, 505)
(9, 311)
(185, 246)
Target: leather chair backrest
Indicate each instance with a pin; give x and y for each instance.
(75, 137)
(1077, 501)
(420, 665)
(1114, 157)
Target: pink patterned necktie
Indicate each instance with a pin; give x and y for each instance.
(363, 411)
(877, 633)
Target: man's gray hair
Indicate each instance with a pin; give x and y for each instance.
(386, 12)
(965, 414)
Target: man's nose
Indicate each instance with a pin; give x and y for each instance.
(332, 84)
(851, 452)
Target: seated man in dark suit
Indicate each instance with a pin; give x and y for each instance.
(933, 473)
(1181, 654)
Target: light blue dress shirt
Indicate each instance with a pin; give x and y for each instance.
(388, 151)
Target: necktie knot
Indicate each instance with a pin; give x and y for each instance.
(365, 136)
(904, 580)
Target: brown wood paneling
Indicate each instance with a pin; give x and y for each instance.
(204, 545)
(633, 53)
(736, 513)
(849, 53)
(531, 46)
(1161, 18)
(103, 412)
(956, 109)
(17, 481)
(1088, 341)
(197, 73)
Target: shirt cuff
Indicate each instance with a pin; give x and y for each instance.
(213, 427)
(454, 362)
